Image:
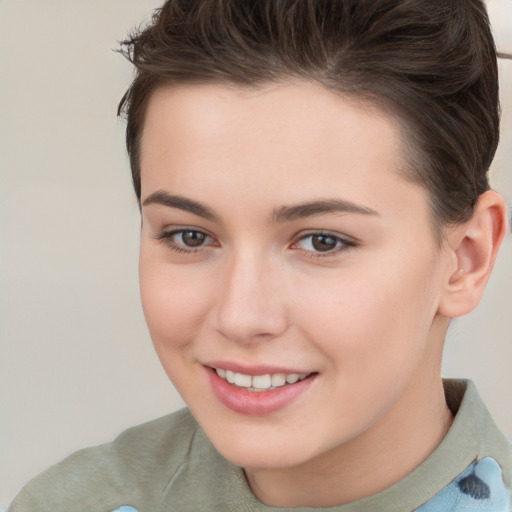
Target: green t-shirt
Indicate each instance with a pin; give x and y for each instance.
(170, 465)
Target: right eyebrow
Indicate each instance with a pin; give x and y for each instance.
(301, 211)
(182, 203)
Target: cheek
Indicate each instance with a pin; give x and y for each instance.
(380, 313)
(174, 301)
(372, 329)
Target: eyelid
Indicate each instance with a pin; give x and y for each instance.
(346, 243)
(165, 236)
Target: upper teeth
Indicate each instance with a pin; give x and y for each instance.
(259, 382)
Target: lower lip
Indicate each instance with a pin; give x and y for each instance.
(256, 403)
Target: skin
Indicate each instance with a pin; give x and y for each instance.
(369, 316)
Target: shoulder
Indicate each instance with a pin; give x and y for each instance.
(171, 434)
(129, 470)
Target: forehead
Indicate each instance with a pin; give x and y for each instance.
(249, 149)
(271, 124)
(211, 105)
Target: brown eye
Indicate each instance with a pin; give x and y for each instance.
(324, 243)
(192, 238)
(185, 239)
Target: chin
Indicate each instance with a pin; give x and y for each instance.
(261, 450)
(258, 459)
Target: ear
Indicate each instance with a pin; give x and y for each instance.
(473, 247)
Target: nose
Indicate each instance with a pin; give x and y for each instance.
(250, 304)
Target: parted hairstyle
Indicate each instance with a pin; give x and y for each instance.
(430, 63)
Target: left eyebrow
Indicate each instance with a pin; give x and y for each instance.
(181, 203)
(300, 211)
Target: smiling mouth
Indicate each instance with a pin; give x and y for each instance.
(257, 383)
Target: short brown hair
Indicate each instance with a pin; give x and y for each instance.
(432, 63)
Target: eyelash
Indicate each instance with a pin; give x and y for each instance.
(342, 244)
(166, 237)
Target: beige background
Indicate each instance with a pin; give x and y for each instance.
(76, 362)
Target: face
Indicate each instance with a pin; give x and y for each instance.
(289, 275)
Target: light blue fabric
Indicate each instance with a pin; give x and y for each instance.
(480, 488)
(125, 508)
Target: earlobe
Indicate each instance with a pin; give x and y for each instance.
(475, 246)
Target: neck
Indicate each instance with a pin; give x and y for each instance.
(368, 464)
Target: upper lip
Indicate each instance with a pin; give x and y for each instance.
(254, 369)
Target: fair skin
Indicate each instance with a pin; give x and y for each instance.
(351, 292)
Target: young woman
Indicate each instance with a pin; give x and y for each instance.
(312, 177)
